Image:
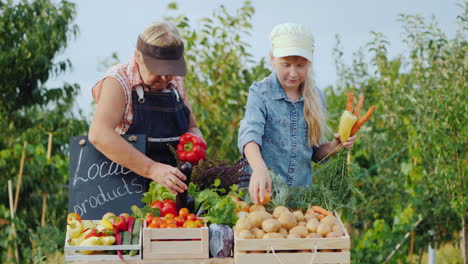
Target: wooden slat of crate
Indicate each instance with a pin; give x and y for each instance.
(165, 249)
(166, 261)
(71, 253)
(294, 258)
(292, 244)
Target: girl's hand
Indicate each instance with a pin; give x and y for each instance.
(260, 185)
(349, 144)
(171, 177)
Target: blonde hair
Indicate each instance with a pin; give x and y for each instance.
(291, 39)
(162, 34)
(314, 112)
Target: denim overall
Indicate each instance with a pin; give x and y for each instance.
(163, 118)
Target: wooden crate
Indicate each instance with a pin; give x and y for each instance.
(255, 251)
(107, 252)
(175, 243)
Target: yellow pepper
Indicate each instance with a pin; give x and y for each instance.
(90, 241)
(106, 223)
(74, 228)
(347, 121)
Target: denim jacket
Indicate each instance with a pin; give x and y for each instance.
(278, 126)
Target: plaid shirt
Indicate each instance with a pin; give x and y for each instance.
(129, 77)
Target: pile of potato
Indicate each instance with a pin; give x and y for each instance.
(282, 223)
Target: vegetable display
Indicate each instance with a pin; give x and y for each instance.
(110, 230)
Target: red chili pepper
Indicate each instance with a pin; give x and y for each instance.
(191, 148)
(118, 241)
(93, 232)
(120, 223)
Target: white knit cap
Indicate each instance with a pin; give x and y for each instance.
(292, 40)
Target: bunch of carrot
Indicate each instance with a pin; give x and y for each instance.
(350, 122)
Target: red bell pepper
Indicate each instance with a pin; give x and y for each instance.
(191, 148)
(120, 223)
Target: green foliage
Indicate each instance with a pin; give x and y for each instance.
(32, 33)
(220, 72)
(414, 147)
(218, 208)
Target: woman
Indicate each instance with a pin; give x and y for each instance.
(146, 96)
(284, 126)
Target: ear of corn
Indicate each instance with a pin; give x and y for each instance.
(347, 121)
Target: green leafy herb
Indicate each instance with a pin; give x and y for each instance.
(157, 192)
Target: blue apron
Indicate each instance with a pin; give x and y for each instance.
(163, 118)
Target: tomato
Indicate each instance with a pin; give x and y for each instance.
(179, 220)
(169, 216)
(191, 217)
(73, 216)
(149, 217)
(171, 225)
(157, 204)
(170, 221)
(169, 208)
(151, 225)
(157, 221)
(163, 225)
(190, 224)
(183, 212)
(199, 223)
(170, 201)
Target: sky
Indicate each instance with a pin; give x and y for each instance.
(108, 26)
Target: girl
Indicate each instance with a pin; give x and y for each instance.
(146, 96)
(284, 125)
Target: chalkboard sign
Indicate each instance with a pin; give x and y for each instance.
(98, 185)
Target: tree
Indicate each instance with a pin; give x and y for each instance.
(220, 72)
(414, 148)
(32, 33)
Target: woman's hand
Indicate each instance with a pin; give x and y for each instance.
(348, 144)
(170, 177)
(260, 185)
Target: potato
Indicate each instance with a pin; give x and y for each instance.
(307, 217)
(242, 214)
(271, 225)
(337, 229)
(287, 220)
(323, 229)
(310, 211)
(312, 225)
(257, 207)
(278, 210)
(314, 235)
(273, 236)
(299, 230)
(299, 216)
(333, 234)
(243, 224)
(246, 234)
(292, 236)
(330, 220)
(301, 223)
(258, 233)
(256, 219)
(283, 232)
